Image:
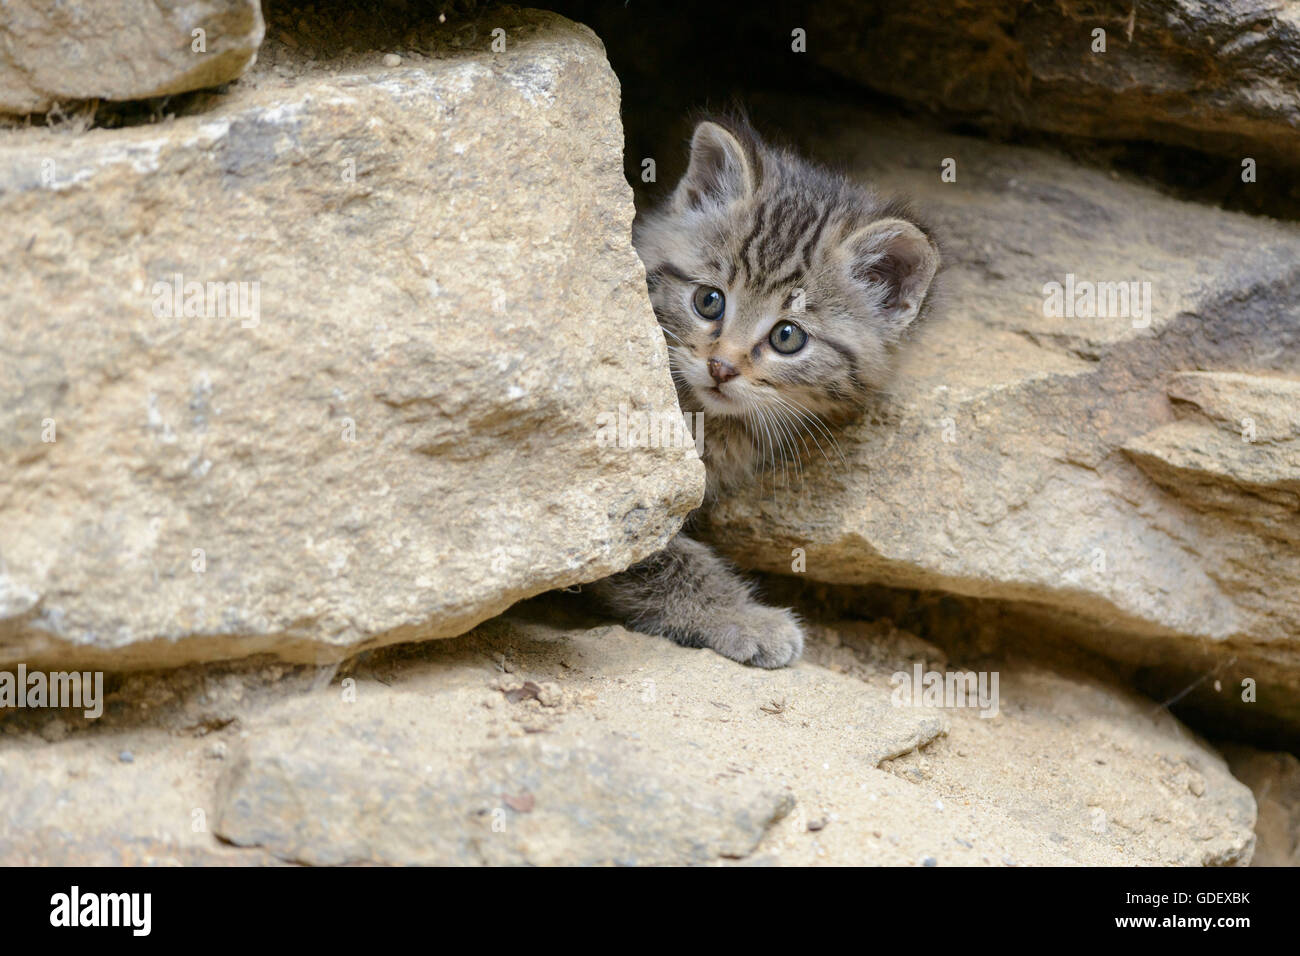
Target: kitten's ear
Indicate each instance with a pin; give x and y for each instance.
(893, 263)
(720, 169)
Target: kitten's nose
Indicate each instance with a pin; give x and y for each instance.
(722, 370)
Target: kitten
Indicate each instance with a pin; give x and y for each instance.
(782, 289)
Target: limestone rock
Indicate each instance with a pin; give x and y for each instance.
(1218, 76)
(1235, 448)
(374, 415)
(121, 49)
(1089, 466)
(643, 752)
(522, 803)
(1274, 778)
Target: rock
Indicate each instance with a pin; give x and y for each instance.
(121, 49)
(527, 802)
(1095, 773)
(1089, 471)
(394, 436)
(1234, 449)
(1218, 76)
(54, 847)
(1275, 780)
(654, 754)
(1100, 773)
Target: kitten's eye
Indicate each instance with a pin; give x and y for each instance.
(709, 302)
(787, 338)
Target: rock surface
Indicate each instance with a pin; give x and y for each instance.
(1274, 778)
(121, 49)
(1217, 75)
(541, 739)
(528, 802)
(1135, 477)
(395, 435)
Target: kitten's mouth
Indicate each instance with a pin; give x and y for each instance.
(715, 400)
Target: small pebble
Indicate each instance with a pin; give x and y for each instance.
(126, 757)
(392, 59)
(929, 861)
(549, 694)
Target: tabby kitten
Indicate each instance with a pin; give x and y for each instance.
(782, 289)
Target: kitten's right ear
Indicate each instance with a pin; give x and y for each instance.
(720, 170)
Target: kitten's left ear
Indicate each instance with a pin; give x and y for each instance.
(893, 262)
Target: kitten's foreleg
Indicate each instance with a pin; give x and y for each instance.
(689, 594)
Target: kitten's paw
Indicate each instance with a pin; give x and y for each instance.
(760, 635)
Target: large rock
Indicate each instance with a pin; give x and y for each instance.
(1134, 477)
(1217, 75)
(541, 740)
(1274, 778)
(397, 437)
(526, 802)
(121, 49)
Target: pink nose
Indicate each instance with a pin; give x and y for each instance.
(722, 370)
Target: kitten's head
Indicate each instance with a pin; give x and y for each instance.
(779, 285)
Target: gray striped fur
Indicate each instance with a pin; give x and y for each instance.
(768, 230)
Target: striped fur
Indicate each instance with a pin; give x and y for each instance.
(770, 232)
(760, 224)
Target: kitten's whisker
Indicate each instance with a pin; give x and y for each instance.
(751, 429)
(787, 422)
(769, 448)
(781, 448)
(770, 416)
(677, 373)
(787, 416)
(792, 435)
(789, 454)
(767, 445)
(800, 419)
(815, 419)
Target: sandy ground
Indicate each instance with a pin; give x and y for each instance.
(543, 738)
